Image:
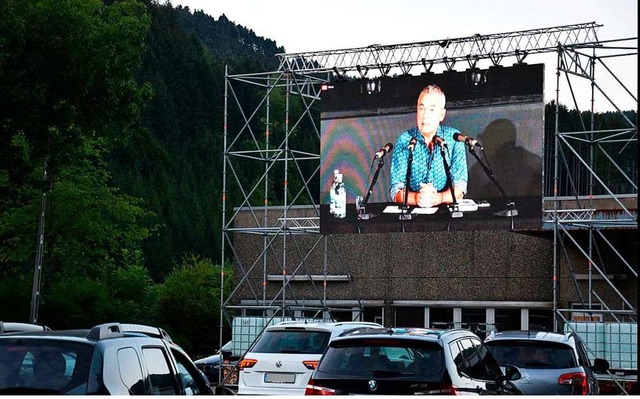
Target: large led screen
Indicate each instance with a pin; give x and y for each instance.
(500, 108)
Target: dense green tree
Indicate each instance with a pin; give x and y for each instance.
(573, 176)
(125, 294)
(193, 291)
(68, 95)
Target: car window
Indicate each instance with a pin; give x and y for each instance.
(533, 354)
(486, 367)
(292, 341)
(456, 354)
(58, 367)
(188, 375)
(474, 360)
(388, 357)
(583, 358)
(131, 370)
(159, 371)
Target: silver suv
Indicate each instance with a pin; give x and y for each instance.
(550, 363)
(409, 361)
(108, 359)
(284, 356)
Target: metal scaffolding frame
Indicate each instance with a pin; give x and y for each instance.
(300, 78)
(585, 62)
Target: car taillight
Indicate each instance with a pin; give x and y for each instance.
(313, 389)
(247, 363)
(445, 390)
(576, 380)
(310, 364)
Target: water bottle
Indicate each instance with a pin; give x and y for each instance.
(340, 210)
(333, 193)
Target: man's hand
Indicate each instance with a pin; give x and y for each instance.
(428, 196)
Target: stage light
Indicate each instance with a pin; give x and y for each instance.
(475, 76)
(478, 77)
(445, 43)
(373, 86)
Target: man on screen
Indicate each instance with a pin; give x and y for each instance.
(429, 185)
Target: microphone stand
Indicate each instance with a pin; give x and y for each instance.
(361, 208)
(511, 211)
(455, 212)
(403, 211)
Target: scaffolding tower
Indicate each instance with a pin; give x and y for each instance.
(294, 90)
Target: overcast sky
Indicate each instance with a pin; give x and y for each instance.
(301, 26)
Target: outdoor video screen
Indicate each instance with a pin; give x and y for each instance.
(501, 107)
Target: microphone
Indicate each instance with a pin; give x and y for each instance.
(384, 150)
(438, 140)
(412, 144)
(467, 140)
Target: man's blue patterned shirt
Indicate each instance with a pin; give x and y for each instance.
(427, 167)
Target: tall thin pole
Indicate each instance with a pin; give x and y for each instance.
(265, 237)
(555, 193)
(224, 209)
(37, 269)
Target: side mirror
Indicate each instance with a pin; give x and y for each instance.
(512, 373)
(600, 365)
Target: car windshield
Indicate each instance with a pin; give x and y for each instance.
(292, 341)
(43, 366)
(533, 354)
(377, 358)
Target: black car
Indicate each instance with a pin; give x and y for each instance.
(210, 365)
(412, 361)
(112, 358)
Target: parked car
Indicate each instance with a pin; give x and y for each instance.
(550, 363)
(112, 358)
(7, 327)
(283, 357)
(210, 365)
(411, 361)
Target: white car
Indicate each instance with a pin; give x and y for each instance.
(282, 359)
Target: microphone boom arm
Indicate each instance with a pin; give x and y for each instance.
(407, 180)
(373, 182)
(447, 169)
(510, 211)
(489, 173)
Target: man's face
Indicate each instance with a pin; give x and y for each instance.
(430, 112)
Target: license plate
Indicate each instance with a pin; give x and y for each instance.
(280, 378)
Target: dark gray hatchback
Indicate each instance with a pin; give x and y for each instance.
(413, 361)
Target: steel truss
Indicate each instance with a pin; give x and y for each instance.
(578, 152)
(299, 80)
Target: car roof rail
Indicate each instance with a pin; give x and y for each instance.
(104, 331)
(8, 326)
(155, 332)
(116, 330)
(359, 329)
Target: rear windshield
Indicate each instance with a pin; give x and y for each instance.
(43, 366)
(292, 341)
(369, 357)
(533, 354)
